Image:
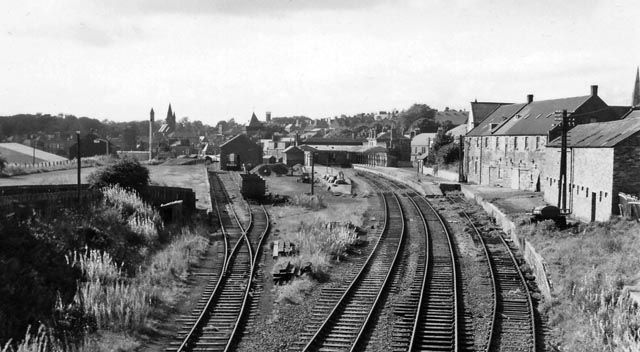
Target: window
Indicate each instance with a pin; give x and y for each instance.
(605, 194)
(600, 197)
(486, 142)
(515, 143)
(477, 141)
(526, 143)
(497, 142)
(537, 143)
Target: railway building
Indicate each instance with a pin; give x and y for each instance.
(293, 155)
(603, 159)
(507, 148)
(239, 150)
(420, 145)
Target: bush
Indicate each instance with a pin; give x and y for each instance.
(127, 173)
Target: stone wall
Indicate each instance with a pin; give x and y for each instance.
(505, 161)
(531, 256)
(589, 174)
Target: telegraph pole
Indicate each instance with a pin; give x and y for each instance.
(79, 166)
(562, 180)
(313, 163)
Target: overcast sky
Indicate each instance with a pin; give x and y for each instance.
(215, 60)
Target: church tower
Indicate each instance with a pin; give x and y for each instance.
(636, 90)
(171, 119)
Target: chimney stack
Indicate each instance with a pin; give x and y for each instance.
(529, 98)
(594, 90)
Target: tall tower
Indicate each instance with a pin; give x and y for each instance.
(636, 90)
(151, 119)
(171, 118)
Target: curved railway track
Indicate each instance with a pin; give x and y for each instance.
(430, 320)
(347, 323)
(218, 322)
(514, 327)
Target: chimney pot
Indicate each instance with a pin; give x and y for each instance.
(529, 98)
(594, 90)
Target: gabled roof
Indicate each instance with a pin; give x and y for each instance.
(601, 134)
(498, 117)
(237, 137)
(292, 148)
(538, 117)
(481, 110)
(423, 138)
(456, 117)
(306, 148)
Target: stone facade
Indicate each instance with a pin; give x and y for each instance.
(586, 185)
(505, 161)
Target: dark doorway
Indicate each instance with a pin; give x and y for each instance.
(538, 184)
(593, 206)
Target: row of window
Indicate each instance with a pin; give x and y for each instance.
(519, 143)
(571, 187)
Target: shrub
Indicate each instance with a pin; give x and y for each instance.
(294, 291)
(126, 172)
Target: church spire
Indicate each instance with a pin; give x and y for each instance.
(636, 90)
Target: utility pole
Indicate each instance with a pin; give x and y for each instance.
(33, 143)
(562, 180)
(79, 165)
(461, 177)
(313, 162)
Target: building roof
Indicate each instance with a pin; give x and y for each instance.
(498, 117)
(254, 121)
(19, 153)
(339, 148)
(334, 141)
(376, 149)
(456, 117)
(292, 148)
(306, 148)
(423, 139)
(458, 131)
(601, 134)
(538, 117)
(481, 110)
(237, 137)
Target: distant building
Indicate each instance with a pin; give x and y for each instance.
(239, 151)
(603, 159)
(293, 155)
(254, 127)
(420, 145)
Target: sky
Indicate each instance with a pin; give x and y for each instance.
(214, 60)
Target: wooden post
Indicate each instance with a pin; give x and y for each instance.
(79, 165)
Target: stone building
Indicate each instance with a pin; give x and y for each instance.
(603, 159)
(239, 151)
(420, 145)
(506, 149)
(293, 155)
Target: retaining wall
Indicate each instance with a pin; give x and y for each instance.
(533, 258)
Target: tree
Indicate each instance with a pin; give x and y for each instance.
(415, 112)
(442, 139)
(127, 173)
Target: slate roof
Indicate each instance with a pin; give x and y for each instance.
(537, 118)
(334, 141)
(292, 148)
(18, 153)
(254, 121)
(601, 134)
(458, 131)
(376, 149)
(307, 148)
(238, 136)
(498, 117)
(422, 139)
(481, 110)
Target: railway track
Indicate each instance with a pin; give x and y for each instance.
(346, 325)
(514, 327)
(430, 315)
(217, 321)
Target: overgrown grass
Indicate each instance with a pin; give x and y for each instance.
(295, 291)
(313, 202)
(589, 266)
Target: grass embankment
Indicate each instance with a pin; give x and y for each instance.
(589, 267)
(129, 267)
(321, 236)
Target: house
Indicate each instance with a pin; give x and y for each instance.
(239, 151)
(507, 148)
(293, 155)
(603, 159)
(420, 145)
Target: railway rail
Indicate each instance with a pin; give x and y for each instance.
(218, 319)
(346, 325)
(514, 325)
